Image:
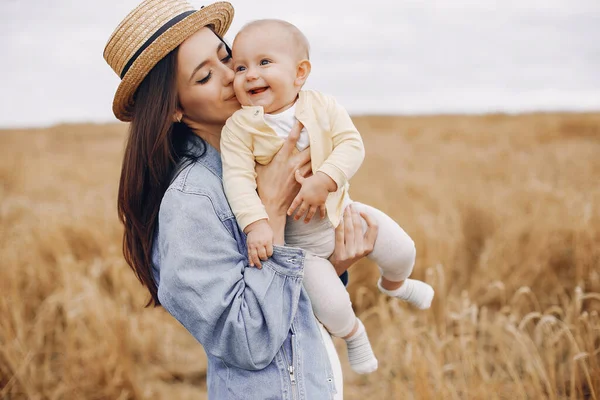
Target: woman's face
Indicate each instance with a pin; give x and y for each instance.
(205, 81)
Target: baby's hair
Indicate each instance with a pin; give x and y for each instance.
(300, 40)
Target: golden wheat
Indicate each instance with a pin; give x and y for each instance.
(504, 211)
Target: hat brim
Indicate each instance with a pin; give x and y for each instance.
(219, 15)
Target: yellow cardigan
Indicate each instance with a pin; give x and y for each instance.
(336, 149)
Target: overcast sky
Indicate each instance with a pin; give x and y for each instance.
(375, 56)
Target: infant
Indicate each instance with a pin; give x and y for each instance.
(271, 65)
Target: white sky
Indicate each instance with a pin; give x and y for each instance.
(376, 56)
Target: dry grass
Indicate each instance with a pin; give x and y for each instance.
(504, 211)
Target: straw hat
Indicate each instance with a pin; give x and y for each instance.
(150, 32)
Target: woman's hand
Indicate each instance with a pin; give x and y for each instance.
(276, 182)
(350, 244)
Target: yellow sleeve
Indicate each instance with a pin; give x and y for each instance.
(348, 149)
(239, 178)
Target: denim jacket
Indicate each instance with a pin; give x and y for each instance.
(256, 326)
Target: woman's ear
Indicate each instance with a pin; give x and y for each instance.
(177, 116)
(302, 72)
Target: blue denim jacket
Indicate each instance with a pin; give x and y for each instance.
(256, 326)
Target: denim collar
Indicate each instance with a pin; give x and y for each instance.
(204, 153)
(208, 156)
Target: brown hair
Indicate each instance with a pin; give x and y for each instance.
(154, 147)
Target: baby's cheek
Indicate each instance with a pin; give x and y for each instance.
(238, 88)
(237, 83)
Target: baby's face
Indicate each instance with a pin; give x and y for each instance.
(265, 69)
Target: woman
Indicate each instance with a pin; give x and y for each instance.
(181, 239)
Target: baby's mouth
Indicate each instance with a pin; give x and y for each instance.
(258, 90)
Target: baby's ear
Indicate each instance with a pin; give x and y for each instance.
(302, 72)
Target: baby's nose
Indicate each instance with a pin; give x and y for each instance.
(251, 74)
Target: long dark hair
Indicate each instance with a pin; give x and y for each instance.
(155, 146)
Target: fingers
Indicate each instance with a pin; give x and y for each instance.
(311, 213)
(339, 237)
(262, 253)
(358, 238)
(371, 222)
(297, 201)
(302, 158)
(349, 233)
(301, 211)
(305, 170)
(253, 257)
(295, 132)
(292, 139)
(323, 211)
(371, 233)
(258, 253)
(299, 177)
(257, 262)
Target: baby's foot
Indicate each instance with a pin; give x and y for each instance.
(415, 292)
(360, 353)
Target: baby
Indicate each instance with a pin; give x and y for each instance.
(271, 64)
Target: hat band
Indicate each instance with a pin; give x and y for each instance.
(152, 38)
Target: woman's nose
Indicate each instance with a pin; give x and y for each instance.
(228, 75)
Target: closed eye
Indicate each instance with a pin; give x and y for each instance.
(204, 80)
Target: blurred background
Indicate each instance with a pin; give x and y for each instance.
(481, 121)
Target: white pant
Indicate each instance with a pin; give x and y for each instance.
(334, 360)
(394, 252)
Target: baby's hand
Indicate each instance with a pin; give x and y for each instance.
(312, 195)
(260, 242)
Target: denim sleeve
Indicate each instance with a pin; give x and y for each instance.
(240, 314)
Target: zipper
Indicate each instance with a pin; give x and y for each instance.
(293, 381)
(290, 367)
(292, 377)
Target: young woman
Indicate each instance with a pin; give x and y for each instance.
(181, 238)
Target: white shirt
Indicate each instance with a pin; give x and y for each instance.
(282, 124)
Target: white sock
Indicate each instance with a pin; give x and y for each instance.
(415, 292)
(360, 353)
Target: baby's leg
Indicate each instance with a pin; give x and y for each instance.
(330, 300)
(332, 306)
(394, 252)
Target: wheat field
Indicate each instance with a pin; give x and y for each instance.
(504, 210)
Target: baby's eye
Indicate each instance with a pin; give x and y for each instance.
(240, 68)
(265, 62)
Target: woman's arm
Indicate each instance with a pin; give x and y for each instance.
(241, 315)
(280, 173)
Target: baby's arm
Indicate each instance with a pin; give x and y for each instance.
(343, 162)
(239, 181)
(348, 149)
(312, 195)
